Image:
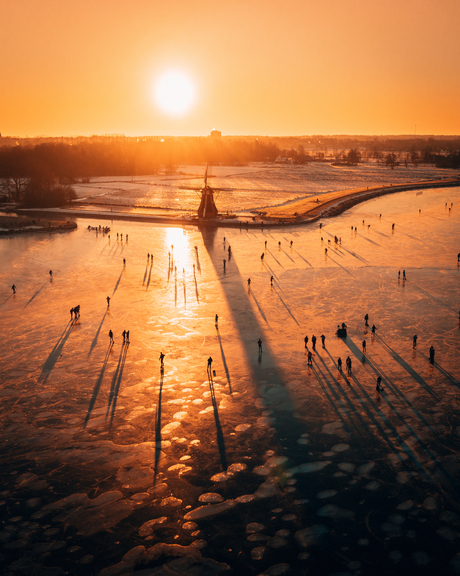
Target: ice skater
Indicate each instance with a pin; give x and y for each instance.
(271, 283)
(348, 363)
(111, 336)
(379, 386)
(127, 337)
(414, 341)
(209, 369)
(124, 335)
(404, 274)
(108, 301)
(323, 339)
(266, 248)
(431, 354)
(13, 288)
(249, 282)
(292, 242)
(71, 313)
(162, 357)
(310, 359)
(306, 341)
(339, 364)
(373, 329)
(262, 257)
(124, 261)
(259, 342)
(313, 342)
(51, 273)
(366, 318)
(217, 319)
(364, 346)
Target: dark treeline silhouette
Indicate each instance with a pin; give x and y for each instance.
(40, 171)
(35, 175)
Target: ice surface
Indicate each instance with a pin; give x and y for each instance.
(55, 376)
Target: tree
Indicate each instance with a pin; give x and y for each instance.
(353, 157)
(390, 160)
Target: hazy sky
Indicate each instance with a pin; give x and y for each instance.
(270, 67)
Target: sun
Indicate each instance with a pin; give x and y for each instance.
(174, 93)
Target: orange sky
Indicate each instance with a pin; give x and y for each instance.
(260, 67)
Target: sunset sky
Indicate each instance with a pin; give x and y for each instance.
(258, 67)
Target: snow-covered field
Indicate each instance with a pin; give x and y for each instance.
(246, 188)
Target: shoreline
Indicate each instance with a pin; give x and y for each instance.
(298, 212)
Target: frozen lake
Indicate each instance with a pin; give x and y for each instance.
(274, 467)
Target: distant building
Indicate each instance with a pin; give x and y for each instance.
(216, 134)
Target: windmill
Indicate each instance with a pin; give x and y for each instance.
(207, 208)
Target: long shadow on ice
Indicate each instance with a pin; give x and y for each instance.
(224, 360)
(249, 330)
(405, 365)
(94, 342)
(35, 295)
(116, 381)
(55, 352)
(407, 449)
(158, 429)
(220, 435)
(97, 386)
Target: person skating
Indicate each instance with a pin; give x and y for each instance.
(111, 336)
(13, 288)
(414, 341)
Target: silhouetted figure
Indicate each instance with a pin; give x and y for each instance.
(151, 257)
(266, 246)
(373, 329)
(71, 313)
(458, 257)
(76, 311)
(249, 282)
(313, 341)
(306, 341)
(217, 319)
(310, 358)
(271, 282)
(392, 226)
(13, 288)
(379, 386)
(51, 273)
(364, 346)
(431, 354)
(225, 262)
(339, 364)
(325, 250)
(323, 339)
(124, 261)
(279, 244)
(126, 237)
(127, 332)
(404, 274)
(111, 336)
(320, 226)
(124, 335)
(262, 257)
(162, 357)
(399, 274)
(348, 363)
(148, 255)
(366, 318)
(209, 368)
(292, 243)
(259, 342)
(108, 301)
(414, 341)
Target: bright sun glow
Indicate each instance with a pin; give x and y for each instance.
(175, 93)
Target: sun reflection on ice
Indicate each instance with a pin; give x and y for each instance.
(177, 243)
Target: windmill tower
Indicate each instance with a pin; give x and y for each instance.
(207, 208)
